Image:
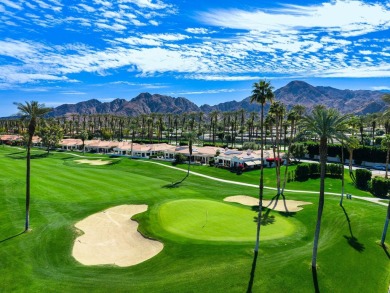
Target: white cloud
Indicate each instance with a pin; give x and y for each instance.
(217, 91)
(147, 3)
(87, 8)
(381, 88)
(114, 27)
(348, 18)
(11, 4)
(200, 31)
(72, 93)
(222, 77)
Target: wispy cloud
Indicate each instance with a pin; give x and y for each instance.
(214, 91)
(347, 18)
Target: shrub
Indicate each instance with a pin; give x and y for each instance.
(302, 172)
(251, 145)
(380, 186)
(179, 159)
(363, 177)
(314, 169)
(335, 170)
(298, 150)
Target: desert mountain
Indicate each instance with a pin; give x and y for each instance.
(296, 92)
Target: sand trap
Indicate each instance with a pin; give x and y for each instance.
(93, 162)
(111, 237)
(292, 205)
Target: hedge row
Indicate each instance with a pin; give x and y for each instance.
(312, 170)
(363, 153)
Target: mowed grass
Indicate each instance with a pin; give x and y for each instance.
(64, 192)
(215, 221)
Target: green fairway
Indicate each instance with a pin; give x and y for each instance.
(214, 221)
(64, 192)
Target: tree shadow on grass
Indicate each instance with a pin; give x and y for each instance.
(252, 275)
(22, 156)
(315, 280)
(11, 237)
(352, 240)
(266, 218)
(386, 251)
(171, 185)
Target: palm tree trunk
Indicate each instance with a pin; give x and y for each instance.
(28, 163)
(323, 157)
(342, 175)
(261, 187)
(288, 157)
(386, 226)
(387, 163)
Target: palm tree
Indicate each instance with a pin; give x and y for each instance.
(386, 146)
(352, 143)
(327, 124)
(261, 93)
(277, 110)
(31, 111)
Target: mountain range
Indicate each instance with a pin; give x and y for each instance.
(295, 92)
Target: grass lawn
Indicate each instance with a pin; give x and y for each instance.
(215, 221)
(252, 176)
(64, 192)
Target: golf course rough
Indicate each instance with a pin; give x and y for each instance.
(210, 220)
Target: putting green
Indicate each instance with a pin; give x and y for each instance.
(215, 221)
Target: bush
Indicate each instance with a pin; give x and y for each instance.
(314, 169)
(363, 177)
(179, 159)
(251, 145)
(380, 186)
(302, 172)
(335, 170)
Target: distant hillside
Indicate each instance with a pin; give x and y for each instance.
(296, 92)
(299, 92)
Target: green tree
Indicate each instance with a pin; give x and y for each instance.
(31, 111)
(326, 124)
(298, 151)
(50, 135)
(83, 136)
(352, 143)
(262, 93)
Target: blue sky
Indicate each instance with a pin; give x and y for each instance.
(58, 51)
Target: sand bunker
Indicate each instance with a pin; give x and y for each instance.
(292, 205)
(93, 162)
(111, 237)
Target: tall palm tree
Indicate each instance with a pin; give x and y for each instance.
(386, 145)
(261, 94)
(327, 124)
(31, 111)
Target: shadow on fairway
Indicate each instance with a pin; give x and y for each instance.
(266, 218)
(352, 240)
(22, 156)
(11, 237)
(385, 250)
(172, 185)
(315, 280)
(252, 276)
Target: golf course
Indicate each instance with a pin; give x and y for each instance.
(192, 238)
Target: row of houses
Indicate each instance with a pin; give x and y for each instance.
(223, 157)
(228, 158)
